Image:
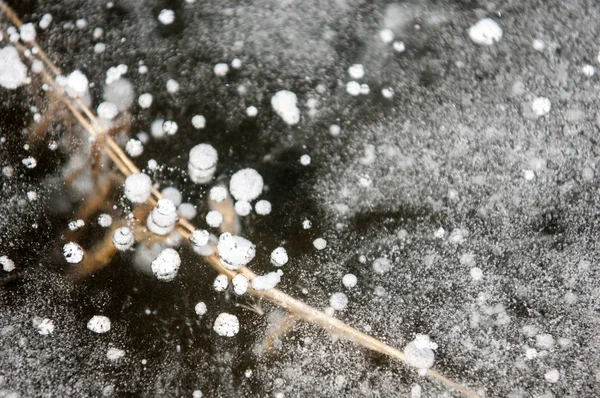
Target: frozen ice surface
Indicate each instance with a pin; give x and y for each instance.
(166, 265)
(73, 253)
(234, 251)
(246, 184)
(13, 73)
(138, 187)
(226, 325)
(279, 257)
(485, 32)
(99, 324)
(266, 282)
(284, 103)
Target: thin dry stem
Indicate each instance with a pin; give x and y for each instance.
(292, 305)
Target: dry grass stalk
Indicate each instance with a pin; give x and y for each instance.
(296, 307)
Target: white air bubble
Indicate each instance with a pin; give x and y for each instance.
(7, 264)
(27, 32)
(320, 243)
(187, 211)
(279, 257)
(218, 194)
(198, 121)
(284, 103)
(134, 148)
(485, 32)
(166, 265)
(419, 352)
(234, 251)
(541, 106)
(242, 208)
(199, 237)
(221, 69)
(200, 309)
(170, 127)
(386, 35)
(44, 326)
(214, 218)
(305, 160)
(73, 253)
(221, 282)
(138, 187)
(552, 376)
(123, 238)
(173, 194)
(104, 220)
(382, 265)
(202, 163)
(353, 88)
(166, 16)
(266, 282)
(172, 86)
(162, 218)
(306, 224)
(349, 280)
(99, 324)
(246, 184)
(45, 21)
(335, 130)
(240, 284)
(262, 207)
(226, 325)
(356, 71)
(338, 301)
(251, 111)
(114, 354)
(399, 47)
(145, 100)
(107, 110)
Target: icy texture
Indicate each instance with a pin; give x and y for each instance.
(73, 253)
(12, 71)
(246, 184)
(99, 324)
(234, 251)
(138, 187)
(284, 103)
(166, 265)
(226, 325)
(266, 282)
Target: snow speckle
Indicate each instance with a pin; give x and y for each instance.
(200, 309)
(99, 324)
(123, 238)
(240, 284)
(279, 257)
(198, 121)
(242, 208)
(485, 32)
(284, 103)
(220, 283)
(266, 282)
(320, 243)
(221, 69)
(382, 265)
(202, 163)
(338, 301)
(166, 265)
(214, 219)
(7, 264)
(262, 207)
(12, 71)
(419, 352)
(226, 325)
(234, 251)
(44, 326)
(246, 184)
(349, 280)
(73, 253)
(166, 16)
(138, 187)
(476, 274)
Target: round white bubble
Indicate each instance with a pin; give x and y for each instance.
(226, 325)
(138, 187)
(166, 265)
(246, 184)
(279, 257)
(99, 324)
(73, 253)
